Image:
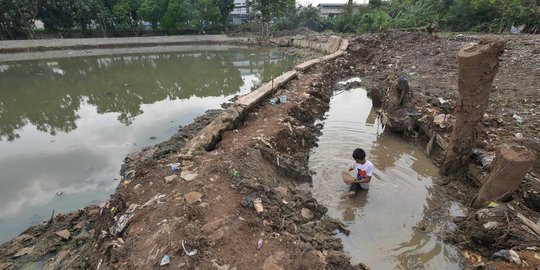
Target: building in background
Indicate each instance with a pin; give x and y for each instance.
(240, 13)
(332, 10)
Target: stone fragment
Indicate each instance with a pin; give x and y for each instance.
(306, 213)
(193, 196)
(137, 186)
(170, 178)
(64, 234)
(273, 262)
(283, 191)
(188, 176)
(23, 251)
(213, 225)
(23, 238)
(217, 235)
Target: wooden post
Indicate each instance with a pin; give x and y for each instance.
(507, 171)
(477, 68)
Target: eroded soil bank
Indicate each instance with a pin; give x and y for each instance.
(212, 210)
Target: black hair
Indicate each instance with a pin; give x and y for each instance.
(359, 153)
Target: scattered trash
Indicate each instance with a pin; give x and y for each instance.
(282, 99)
(152, 138)
(175, 166)
(509, 255)
(248, 202)
(137, 186)
(537, 255)
(278, 100)
(154, 199)
(472, 258)
(125, 183)
(491, 225)
(99, 264)
(493, 204)
(518, 118)
(260, 244)
(126, 84)
(120, 223)
(514, 30)
(113, 209)
(439, 120)
(519, 135)
(257, 203)
(234, 172)
(165, 260)
(273, 101)
(189, 253)
(442, 100)
(59, 193)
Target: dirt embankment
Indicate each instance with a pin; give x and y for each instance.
(212, 209)
(207, 219)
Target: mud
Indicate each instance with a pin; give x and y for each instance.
(212, 210)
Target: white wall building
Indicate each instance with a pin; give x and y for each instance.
(240, 13)
(332, 10)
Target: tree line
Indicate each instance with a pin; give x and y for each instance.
(447, 15)
(17, 17)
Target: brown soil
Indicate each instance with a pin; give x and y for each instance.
(266, 159)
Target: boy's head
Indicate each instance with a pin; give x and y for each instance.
(359, 155)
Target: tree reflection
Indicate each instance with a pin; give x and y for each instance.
(49, 93)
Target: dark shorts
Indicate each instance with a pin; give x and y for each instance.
(356, 187)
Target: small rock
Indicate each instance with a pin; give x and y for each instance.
(213, 225)
(170, 178)
(491, 225)
(193, 196)
(282, 190)
(204, 205)
(23, 251)
(188, 176)
(306, 213)
(137, 186)
(4, 266)
(23, 238)
(64, 234)
(257, 203)
(217, 235)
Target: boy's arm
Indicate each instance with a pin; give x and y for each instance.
(365, 179)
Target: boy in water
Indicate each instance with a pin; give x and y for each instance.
(363, 172)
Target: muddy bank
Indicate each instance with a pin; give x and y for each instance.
(201, 212)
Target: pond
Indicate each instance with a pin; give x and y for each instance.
(67, 123)
(396, 224)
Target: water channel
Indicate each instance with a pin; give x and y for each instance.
(67, 123)
(394, 225)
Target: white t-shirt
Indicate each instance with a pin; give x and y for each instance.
(363, 170)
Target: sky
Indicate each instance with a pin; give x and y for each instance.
(316, 2)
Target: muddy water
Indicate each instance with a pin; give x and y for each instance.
(67, 123)
(394, 225)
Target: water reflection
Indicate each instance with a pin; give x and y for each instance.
(48, 93)
(392, 225)
(67, 124)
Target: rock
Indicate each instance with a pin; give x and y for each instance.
(306, 213)
(283, 191)
(137, 186)
(170, 178)
(23, 251)
(193, 196)
(4, 266)
(491, 225)
(257, 203)
(188, 176)
(64, 234)
(217, 235)
(273, 262)
(204, 205)
(23, 238)
(213, 225)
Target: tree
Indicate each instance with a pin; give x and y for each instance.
(310, 17)
(225, 8)
(17, 17)
(56, 15)
(272, 8)
(176, 17)
(152, 11)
